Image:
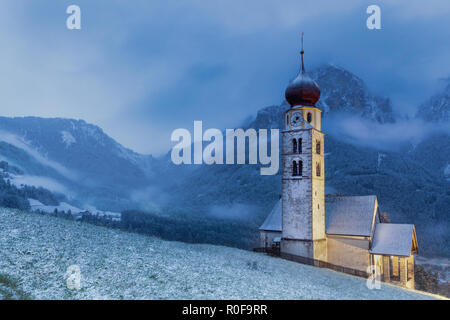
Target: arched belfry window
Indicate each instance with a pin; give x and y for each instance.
(294, 145)
(294, 168)
(318, 169)
(318, 147)
(309, 117)
(299, 145)
(300, 168)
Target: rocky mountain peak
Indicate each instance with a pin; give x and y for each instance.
(436, 108)
(341, 92)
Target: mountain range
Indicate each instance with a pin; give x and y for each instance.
(411, 177)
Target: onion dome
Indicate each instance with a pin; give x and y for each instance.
(303, 91)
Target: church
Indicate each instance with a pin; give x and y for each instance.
(344, 233)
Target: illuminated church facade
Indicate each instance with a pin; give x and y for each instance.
(344, 233)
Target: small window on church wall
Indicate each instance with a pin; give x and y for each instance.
(300, 168)
(318, 170)
(287, 120)
(294, 146)
(299, 145)
(309, 117)
(318, 147)
(294, 168)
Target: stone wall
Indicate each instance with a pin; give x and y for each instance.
(296, 190)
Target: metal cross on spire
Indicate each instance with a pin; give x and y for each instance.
(302, 42)
(302, 52)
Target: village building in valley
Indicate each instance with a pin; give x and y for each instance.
(335, 231)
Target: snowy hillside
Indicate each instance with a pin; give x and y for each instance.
(35, 252)
(74, 158)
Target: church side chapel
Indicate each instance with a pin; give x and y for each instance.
(344, 233)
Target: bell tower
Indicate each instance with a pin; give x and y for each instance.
(303, 174)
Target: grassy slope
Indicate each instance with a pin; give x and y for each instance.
(36, 250)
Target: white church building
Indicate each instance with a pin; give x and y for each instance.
(344, 233)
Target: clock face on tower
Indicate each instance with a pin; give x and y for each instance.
(296, 119)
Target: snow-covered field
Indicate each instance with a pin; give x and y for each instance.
(36, 205)
(36, 250)
(76, 212)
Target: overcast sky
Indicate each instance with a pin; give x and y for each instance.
(140, 69)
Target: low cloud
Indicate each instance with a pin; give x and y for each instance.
(43, 182)
(150, 199)
(386, 136)
(234, 211)
(22, 144)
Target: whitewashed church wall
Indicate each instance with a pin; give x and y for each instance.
(298, 248)
(348, 252)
